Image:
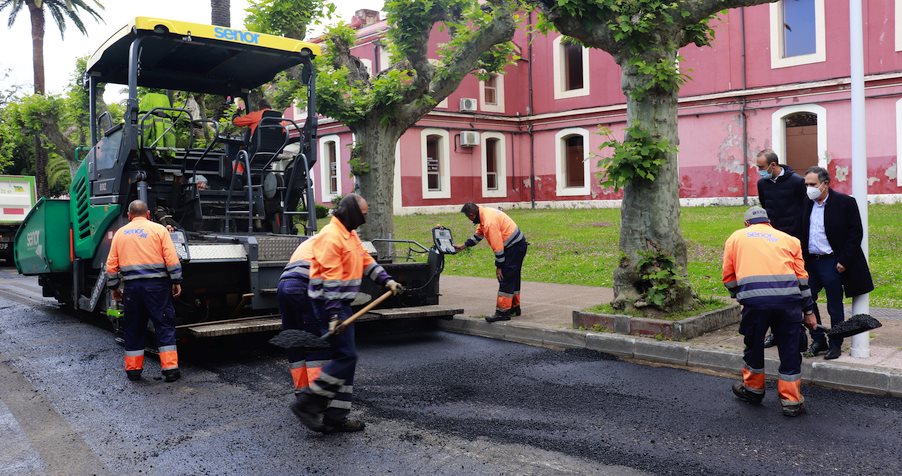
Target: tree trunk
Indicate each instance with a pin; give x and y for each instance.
(37, 58)
(221, 15)
(377, 146)
(650, 211)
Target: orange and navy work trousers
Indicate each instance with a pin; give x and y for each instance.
(786, 326)
(297, 313)
(511, 271)
(149, 299)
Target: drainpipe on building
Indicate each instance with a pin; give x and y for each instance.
(743, 119)
(529, 113)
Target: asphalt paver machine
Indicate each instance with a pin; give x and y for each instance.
(233, 204)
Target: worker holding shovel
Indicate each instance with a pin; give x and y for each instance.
(337, 265)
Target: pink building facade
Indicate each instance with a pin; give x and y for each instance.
(777, 76)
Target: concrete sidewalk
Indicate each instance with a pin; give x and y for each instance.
(547, 321)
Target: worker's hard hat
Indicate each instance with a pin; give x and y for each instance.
(756, 214)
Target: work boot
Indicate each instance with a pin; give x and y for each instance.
(346, 426)
(172, 375)
(817, 347)
(498, 316)
(133, 375)
(309, 408)
(515, 311)
(770, 341)
(793, 410)
(747, 395)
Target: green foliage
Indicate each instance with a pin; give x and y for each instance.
(639, 157)
(289, 18)
(60, 10)
(59, 176)
(322, 211)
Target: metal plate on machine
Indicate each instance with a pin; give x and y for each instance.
(277, 248)
(222, 252)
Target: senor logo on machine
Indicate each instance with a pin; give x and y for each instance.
(236, 35)
(33, 238)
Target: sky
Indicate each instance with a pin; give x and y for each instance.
(60, 54)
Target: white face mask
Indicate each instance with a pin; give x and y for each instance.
(813, 192)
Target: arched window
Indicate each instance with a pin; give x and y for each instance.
(571, 69)
(435, 152)
(572, 164)
(799, 136)
(494, 165)
(330, 166)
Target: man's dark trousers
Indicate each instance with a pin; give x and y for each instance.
(148, 299)
(511, 271)
(336, 382)
(786, 324)
(297, 313)
(822, 275)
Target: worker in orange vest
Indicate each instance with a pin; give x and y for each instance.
(338, 264)
(509, 245)
(763, 269)
(142, 258)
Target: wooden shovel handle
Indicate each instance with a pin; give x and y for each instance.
(347, 322)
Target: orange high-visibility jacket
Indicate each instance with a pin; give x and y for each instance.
(142, 249)
(339, 262)
(498, 229)
(298, 266)
(763, 268)
(250, 120)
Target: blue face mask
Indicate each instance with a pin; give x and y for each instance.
(764, 174)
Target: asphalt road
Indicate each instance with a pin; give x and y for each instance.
(434, 403)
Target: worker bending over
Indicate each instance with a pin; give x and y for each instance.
(764, 270)
(337, 266)
(509, 245)
(143, 257)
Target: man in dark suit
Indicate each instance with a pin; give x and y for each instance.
(781, 192)
(831, 243)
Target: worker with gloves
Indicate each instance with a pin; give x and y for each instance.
(764, 270)
(337, 265)
(509, 245)
(143, 256)
(297, 313)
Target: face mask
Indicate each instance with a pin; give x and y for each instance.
(764, 174)
(476, 220)
(813, 192)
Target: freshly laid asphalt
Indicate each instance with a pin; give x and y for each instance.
(434, 402)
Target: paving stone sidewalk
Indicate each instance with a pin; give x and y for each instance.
(547, 321)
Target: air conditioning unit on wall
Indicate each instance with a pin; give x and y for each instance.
(469, 138)
(467, 105)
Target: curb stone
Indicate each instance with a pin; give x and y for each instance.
(881, 382)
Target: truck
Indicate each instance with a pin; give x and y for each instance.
(238, 207)
(17, 197)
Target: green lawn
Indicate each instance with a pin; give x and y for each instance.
(580, 246)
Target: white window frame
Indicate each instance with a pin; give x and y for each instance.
(444, 102)
(324, 166)
(558, 61)
(444, 164)
(899, 142)
(500, 166)
(384, 57)
(368, 64)
(560, 163)
(778, 131)
(499, 95)
(776, 38)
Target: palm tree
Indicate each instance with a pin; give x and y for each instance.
(60, 10)
(221, 12)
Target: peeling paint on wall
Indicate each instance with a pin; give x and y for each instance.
(873, 180)
(841, 174)
(891, 172)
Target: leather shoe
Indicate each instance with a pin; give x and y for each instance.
(817, 347)
(515, 311)
(498, 316)
(133, 375)
(746, 395)
(309, 409)
(770, 341)
(833, 353)
(346, 426)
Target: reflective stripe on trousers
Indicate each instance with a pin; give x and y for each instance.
(149, 299)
